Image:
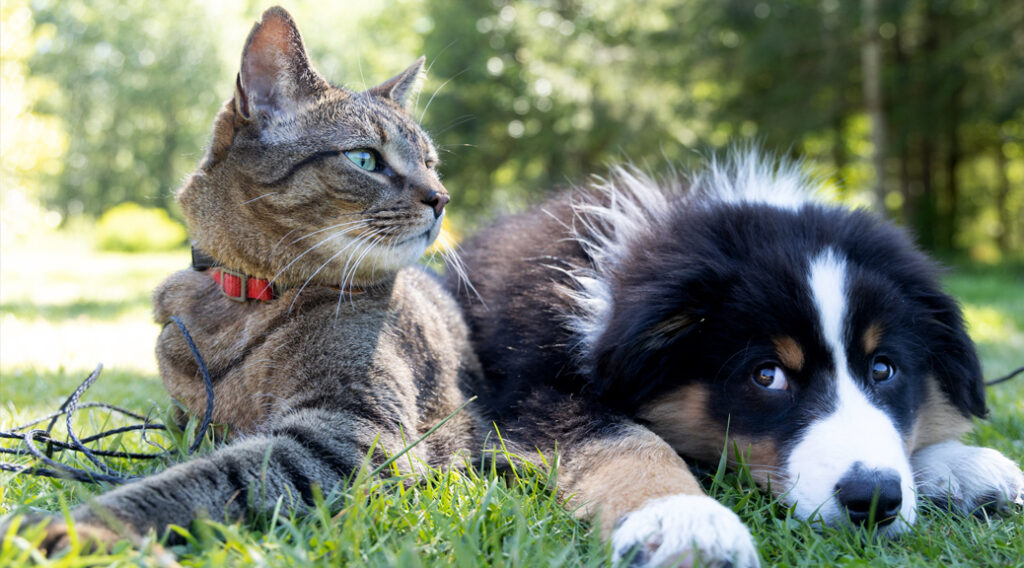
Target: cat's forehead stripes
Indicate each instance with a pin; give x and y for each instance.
(403, 145)
(400, 128)
(357, 120)
(382, 133)
(309, 116)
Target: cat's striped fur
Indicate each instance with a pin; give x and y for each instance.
(359, 352)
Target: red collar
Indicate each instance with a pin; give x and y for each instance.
(242, 287)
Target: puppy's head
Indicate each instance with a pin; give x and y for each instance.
(816, 338)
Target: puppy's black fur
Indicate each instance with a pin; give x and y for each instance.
(735, 272)
(633, 320)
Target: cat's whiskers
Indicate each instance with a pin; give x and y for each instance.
(279, 241)
(326, 262)
(345, 276)
(447, 147)
(454, 262)
(344, 269)
(310, 249)
(386, 256)
(436, 91)
(457, 122)
(348, 274)
(427, 73)
(450, 255)
(337, 226)
(359, 63)
(260, 197)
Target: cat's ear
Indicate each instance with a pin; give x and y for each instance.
(276, 76)
(399, 87)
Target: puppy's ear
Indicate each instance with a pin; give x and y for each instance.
(952, 354)
(632, 355)
(649, 330)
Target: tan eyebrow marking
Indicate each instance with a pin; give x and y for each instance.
(789, 351)
(664, 331)
(872, 337)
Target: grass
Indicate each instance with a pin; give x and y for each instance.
(63, 308)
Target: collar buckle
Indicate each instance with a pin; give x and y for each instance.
(226, 285)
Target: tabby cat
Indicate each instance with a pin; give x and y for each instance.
(323, 342)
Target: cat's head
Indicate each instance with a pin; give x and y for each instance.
(309, 182)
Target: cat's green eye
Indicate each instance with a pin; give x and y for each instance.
(365, 159)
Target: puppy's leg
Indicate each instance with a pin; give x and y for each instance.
(967, 478)
(649, 504)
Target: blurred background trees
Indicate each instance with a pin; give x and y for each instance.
(107, 101)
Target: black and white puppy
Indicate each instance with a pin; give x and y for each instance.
(635, 324)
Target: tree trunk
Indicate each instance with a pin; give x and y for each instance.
(871, 63)
(950, 225)
(833, 73)
(1003, 237)
(927, 213)
(902, 135)
(928, 113)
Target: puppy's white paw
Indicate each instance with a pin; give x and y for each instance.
(684, 531)
(967, 477)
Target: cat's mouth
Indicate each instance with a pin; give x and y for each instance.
(428, 235)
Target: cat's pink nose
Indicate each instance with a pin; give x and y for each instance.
(437, 200)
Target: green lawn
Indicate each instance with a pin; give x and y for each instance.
(64, 308)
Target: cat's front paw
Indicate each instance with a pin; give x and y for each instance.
(684, 531)
(57, 534)
(88, 537)
(967, 478)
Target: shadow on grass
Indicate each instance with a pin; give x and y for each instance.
(92, 309)
(34, 391)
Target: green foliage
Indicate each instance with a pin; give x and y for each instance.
(139, 90)
(523, 96)
(547, 92)
(542, 94)
(129, 227)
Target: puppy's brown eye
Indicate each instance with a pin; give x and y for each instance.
(882, 369)
(771, 377)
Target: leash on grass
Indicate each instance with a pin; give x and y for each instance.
(33, 438)
(1005, 378)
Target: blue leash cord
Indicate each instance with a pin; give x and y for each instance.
(29, 436)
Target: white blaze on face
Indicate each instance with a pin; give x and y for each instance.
(857, 431)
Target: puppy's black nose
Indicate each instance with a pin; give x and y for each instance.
(870, 495)
(437, 200)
